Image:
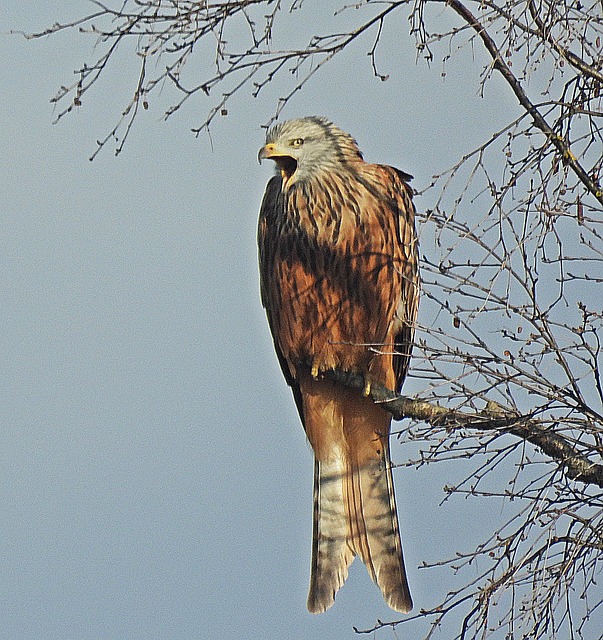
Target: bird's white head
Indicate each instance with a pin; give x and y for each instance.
(305, 147)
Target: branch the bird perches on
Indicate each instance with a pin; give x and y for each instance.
(494, 417)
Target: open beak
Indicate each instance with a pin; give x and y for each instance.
(286, 164)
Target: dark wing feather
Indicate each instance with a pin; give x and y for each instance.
(409, 294)
(271, 217)
(405, 177)
(393, 189)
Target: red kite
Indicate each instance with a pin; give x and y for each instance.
(339, 281)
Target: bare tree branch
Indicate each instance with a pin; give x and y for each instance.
(593, 186)
(492, 418)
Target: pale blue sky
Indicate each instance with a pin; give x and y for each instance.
(155, 479)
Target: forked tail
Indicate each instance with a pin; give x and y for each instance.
(355, 514)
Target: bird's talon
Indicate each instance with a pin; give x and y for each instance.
(367, 389)
(314, 371)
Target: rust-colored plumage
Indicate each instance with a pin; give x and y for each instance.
(339, 281)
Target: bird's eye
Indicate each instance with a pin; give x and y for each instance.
(297, 142)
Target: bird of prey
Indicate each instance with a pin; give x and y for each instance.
(339, 282)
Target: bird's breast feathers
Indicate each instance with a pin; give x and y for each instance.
(337, 267)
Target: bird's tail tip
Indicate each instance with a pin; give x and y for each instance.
(400, 602)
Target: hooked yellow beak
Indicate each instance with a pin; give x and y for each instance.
(267, 151)
(285, 163)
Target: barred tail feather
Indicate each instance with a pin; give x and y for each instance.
(374, 532)
(355, 514)
(331, 553)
